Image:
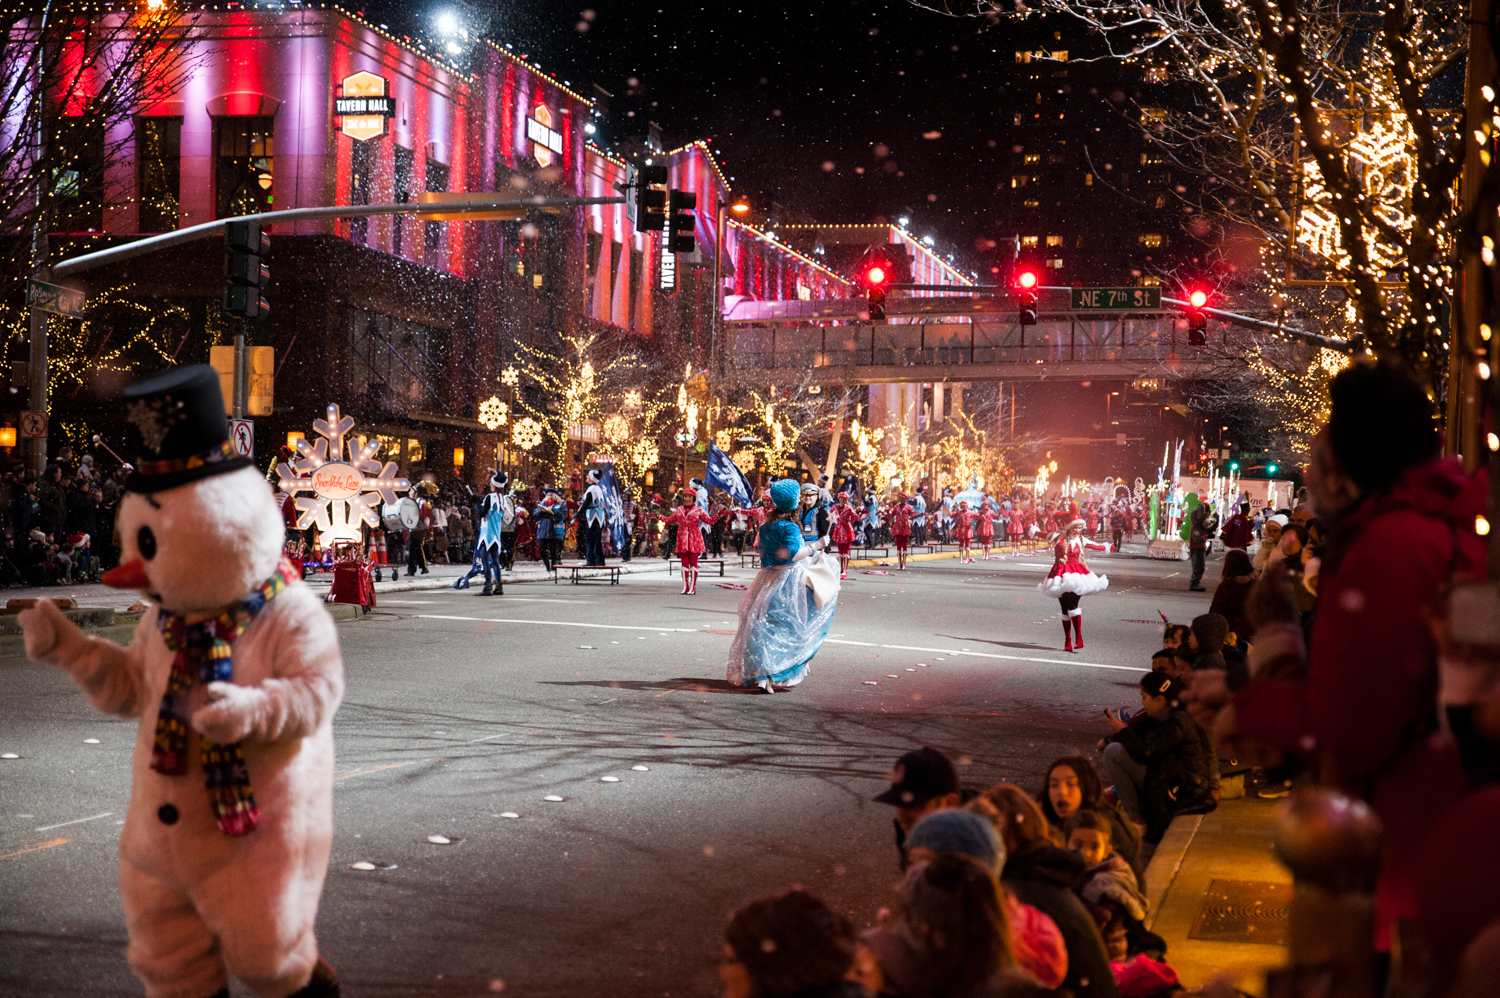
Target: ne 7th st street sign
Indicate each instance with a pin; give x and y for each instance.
(1117, 299)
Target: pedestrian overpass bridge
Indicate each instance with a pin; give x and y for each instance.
(956, 339)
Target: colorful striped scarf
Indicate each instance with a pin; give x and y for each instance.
(205, 654)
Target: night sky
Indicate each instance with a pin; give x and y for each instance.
(799, 96)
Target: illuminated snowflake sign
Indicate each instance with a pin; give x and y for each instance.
(344, 493)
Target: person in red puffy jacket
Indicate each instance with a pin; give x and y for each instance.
(1359, 704)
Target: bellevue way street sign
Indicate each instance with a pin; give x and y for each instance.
(1117, 299)
(52, 298)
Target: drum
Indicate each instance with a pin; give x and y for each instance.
(400, 515)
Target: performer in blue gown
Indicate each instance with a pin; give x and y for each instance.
(782, 624)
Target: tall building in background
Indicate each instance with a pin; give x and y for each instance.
(1087, 198)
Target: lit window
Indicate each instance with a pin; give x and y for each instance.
(1153, 115)
(1031, 203)
(1061, 55)
(1033, 157)
(1150, 281)
(1019, 118)
(1161, 200)
(1029, 240)
(1152, 159)
(1156, 74)
(1054, 240)
(1019, 180)
(1088, 180)
(1055, 263)
(1151, 240)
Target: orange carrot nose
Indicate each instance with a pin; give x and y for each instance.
(131, 575)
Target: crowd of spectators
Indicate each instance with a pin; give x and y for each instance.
(1327, 657)
(59, 528)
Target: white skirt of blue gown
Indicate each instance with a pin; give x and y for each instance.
(781, 628)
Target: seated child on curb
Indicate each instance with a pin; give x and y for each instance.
(1108, 890)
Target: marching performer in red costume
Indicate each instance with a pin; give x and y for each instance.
(899, 517)
(1070, 579)
(963, 522)
(686, 518)
(844, 518)
(985, 528)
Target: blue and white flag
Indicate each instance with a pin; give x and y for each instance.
(726, 475)
(614, 506)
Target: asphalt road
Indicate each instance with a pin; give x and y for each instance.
(461, 709)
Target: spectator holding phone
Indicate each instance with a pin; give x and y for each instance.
(1159, 761)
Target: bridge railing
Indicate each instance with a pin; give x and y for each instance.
(1137, 340)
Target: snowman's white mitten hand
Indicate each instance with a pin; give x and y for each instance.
(50, 636)
(231, 714)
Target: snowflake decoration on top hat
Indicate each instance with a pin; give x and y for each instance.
(344, 493)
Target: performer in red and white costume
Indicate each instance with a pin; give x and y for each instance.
(687, 518)
(984, 529)
(899, 517)
(963, 523)
(844, 517)
(1070, 579)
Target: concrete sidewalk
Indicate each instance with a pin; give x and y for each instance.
(1218, 895)
(439, 576)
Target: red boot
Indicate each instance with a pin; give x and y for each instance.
(1077, 631)
(1067, 636)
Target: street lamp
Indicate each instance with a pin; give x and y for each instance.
(740, 207)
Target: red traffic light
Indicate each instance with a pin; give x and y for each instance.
(1198, 298)
(1026, 279)
(875, 275)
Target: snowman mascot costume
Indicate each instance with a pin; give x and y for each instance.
(235, 674)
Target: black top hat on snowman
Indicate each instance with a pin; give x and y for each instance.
(179, 429)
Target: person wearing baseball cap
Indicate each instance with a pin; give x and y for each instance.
(923, 781)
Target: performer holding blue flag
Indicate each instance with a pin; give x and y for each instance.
(488, 552)
(724, 474)
(614, 511)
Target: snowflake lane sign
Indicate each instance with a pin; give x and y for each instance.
(344, 493)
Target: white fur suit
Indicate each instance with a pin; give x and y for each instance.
(200, 904)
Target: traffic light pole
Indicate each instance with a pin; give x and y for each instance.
(204, 230)
(241, 371)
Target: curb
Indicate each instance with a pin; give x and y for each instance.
(1167, 860)
(935, 556)
(14, 645)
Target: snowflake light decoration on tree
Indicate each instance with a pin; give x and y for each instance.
(527, 433)
(344, 493)
(492, 412)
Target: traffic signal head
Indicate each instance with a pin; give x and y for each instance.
(680, 224)
(1197, 318)
(245, 271)
(876, 277)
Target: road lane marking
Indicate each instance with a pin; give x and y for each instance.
(985, 654)
(561, 623)
(392, 766)
(75, 821)
(34, 847)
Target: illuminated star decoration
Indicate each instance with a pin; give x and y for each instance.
(344, 493)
